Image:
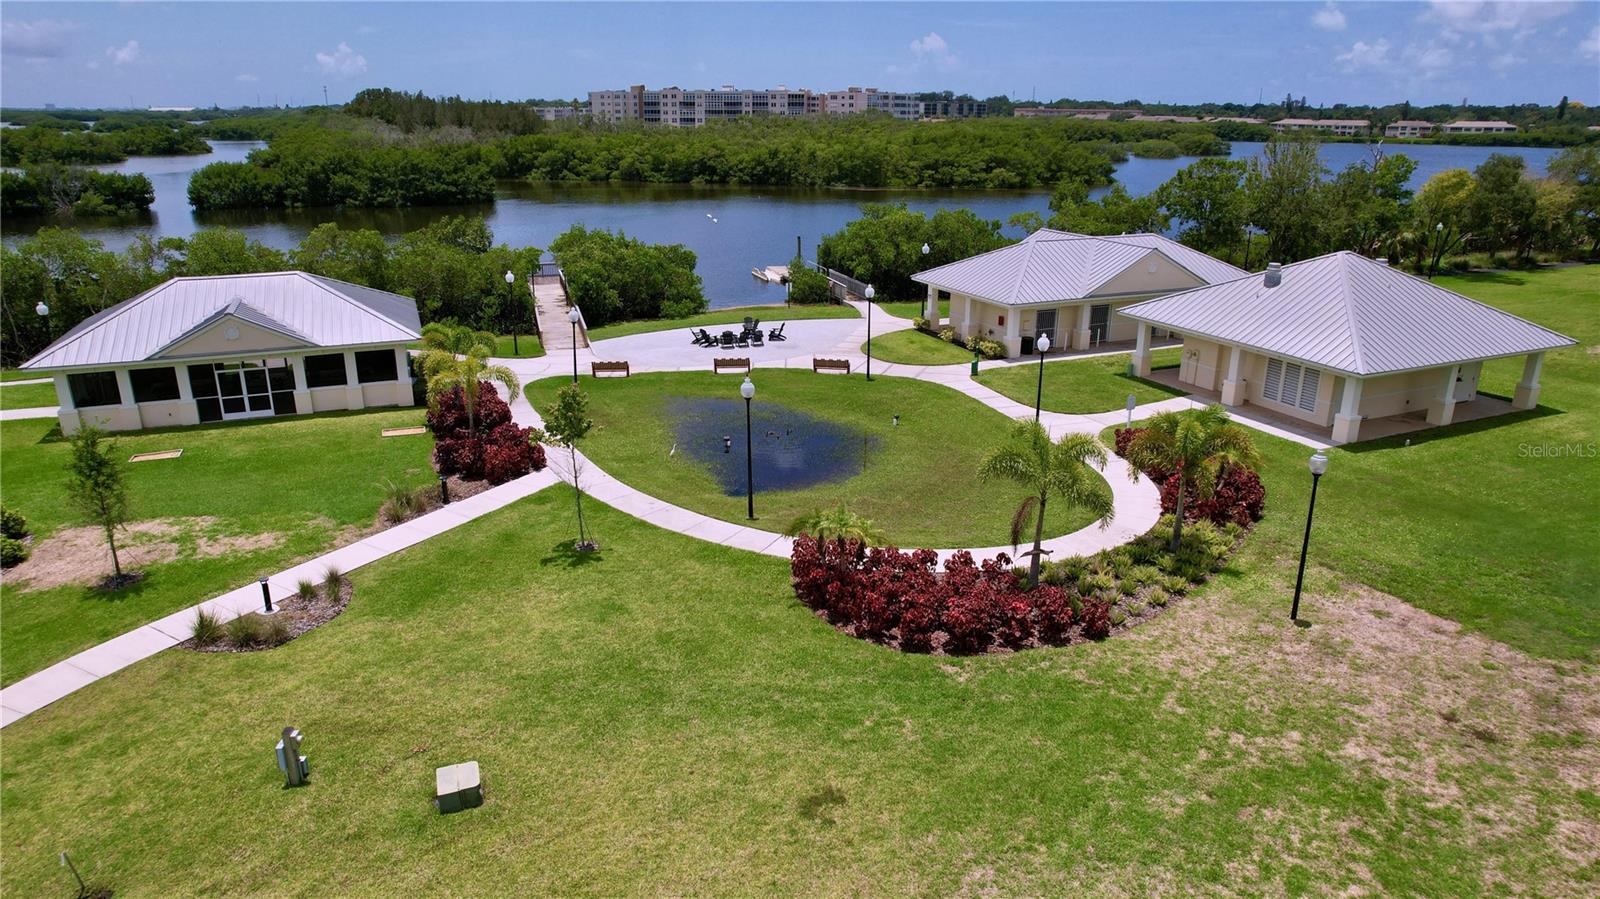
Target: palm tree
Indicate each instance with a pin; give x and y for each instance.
(457, 340)
(1197, 444)
(1059, 468)
(837, 523)
(446, 371)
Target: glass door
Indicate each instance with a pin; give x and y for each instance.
(243, 389)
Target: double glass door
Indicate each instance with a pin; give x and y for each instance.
(244, 389)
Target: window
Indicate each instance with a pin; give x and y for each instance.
(203, 384)
(944, 294)
(1291, 384)
(95, 388)
(154, 385)
(325, 371)
(376, 365)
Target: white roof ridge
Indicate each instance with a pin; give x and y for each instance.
(1356, 335)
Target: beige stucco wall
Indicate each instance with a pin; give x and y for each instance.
(329, 399)
(1414, 391)
(168, 413)
(1167, 277)
(252, 338)
(391, 393)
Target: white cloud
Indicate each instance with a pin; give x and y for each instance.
(124, 54)
(929, 43)
(41, 38)
(343, 61)
(1427, 61)
(1590, 46)
(1364, 56)
(931, 49)
(1418, 61)
(247, 78)
(1481, 17)
(1329, 18)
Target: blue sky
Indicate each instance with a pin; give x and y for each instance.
(142, 54)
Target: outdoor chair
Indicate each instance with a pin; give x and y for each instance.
(744, 339)
(777, 333)
(755, 325)
(696, 337)
(727, 340)
(706, 339)
(755, 338)
(747, 322)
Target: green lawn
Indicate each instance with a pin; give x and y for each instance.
(919, 484)
(769, 315)
(25, 396)
(912, 308)
(17, 374)
(665, 719)
(913, 347)
(305, 480)
(1095, 384)
(524, 346)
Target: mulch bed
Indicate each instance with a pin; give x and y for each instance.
(302, 614)
(460, 489)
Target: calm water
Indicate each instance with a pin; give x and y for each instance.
(791, 450)
(731, 229)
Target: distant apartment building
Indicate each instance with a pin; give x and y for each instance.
(1241, 119)
(1344, 127)
(1065, 112)
(1466, 127)
(868, 99)
(954, 109)
(1408, 128)
(678, 107)
(1178, 119)
(555, 113)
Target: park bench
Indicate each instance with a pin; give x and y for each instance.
(722, 364)
(818, 364)
(595, 368)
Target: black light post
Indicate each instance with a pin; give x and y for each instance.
(1318, 465)
(1043, 346)
(572, 316)
(869, 295)
(266, 597)
(511, 279)
(44, 312)
(748, 391)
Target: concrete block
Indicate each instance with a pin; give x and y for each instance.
(458, 787)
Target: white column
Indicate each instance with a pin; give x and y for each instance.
(64, 393)
(189, 410)
(1080, 334)
(930, 308)
(1527, 395)
(969, 316)
(1233, 386)
(1347, 421)
(1013, 331)
(1443, 408)
(127, 418)
(302, 391)
(352, 383)
(1141, 351)
(403, 376)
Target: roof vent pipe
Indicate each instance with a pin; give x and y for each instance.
(1274, 275)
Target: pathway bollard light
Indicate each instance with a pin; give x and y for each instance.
(869, 295)
(1318, 465)
(1043, 346)
(572, 316)
(748, 391)
(1132, 401)
(290, 761)
(511, 279)
(444, 491)
(266, 597)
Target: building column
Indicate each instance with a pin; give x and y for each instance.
(930, 308)
(1347, 421)
(191, 409)
(1527, 395)
(969, 316)
(302, 392)
(1080, 334)
(1233, 386)
(67, 415)
(128, 411)
(403, 374)
(1139, 367)
(1013, 332)
(352, 384)
(1443, 407)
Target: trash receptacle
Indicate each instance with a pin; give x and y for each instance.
(975, 365)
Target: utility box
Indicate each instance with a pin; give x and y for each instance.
(290, 761)
(458, 787)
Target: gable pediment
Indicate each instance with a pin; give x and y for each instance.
(229, 334)
(1154, 273)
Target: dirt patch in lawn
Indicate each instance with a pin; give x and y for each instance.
(80, 555)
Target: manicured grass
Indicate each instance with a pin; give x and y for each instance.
(913, 347)
(525, 346)
(305, 481)
(17, 374)
(1095, 384)
(25, 396)
(665, 719)
(734, 315)
(912, 308)
(920, 482)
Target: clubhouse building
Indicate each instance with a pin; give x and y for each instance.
(208, 349)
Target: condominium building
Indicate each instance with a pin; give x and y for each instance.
(553, 113)
(678, 107)
(1346, 127)
(954, 109)
(1466, 127)
(1176, 119)
(867, 99)
(1408, 128)
(1065, 112)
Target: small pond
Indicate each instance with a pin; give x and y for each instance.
(791, 449)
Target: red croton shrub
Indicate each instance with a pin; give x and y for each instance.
(1239, 495)
(495, 450)
(901, 599)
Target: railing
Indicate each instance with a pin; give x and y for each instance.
(845, 284)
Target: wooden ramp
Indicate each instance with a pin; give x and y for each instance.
(550, 308)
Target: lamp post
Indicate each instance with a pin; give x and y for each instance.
(510, 280)
(572, 316)
(1318, 464)
(1438, 244)
(869, 295)
(44, 312)
(1043, 346)
(748, 391)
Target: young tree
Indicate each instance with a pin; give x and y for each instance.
(1045, 468)
(1368, 203)
(837, 523)
(97, 486)
(1505, 206)
(566, 421)
(1197, 444)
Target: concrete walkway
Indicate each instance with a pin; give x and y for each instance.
(26, 381)
(29, 412)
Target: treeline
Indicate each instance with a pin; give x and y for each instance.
(44, 143)
(884, 246)
(452, 268)
(1559, 115)
(613, 277)
(420, 112)
(60, 189)
(306, 167)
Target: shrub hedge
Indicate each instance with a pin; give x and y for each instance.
(496, 451)
(1239, 496)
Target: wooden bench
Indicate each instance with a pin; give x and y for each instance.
(818, 364)
(736, 364)
(595, 368)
